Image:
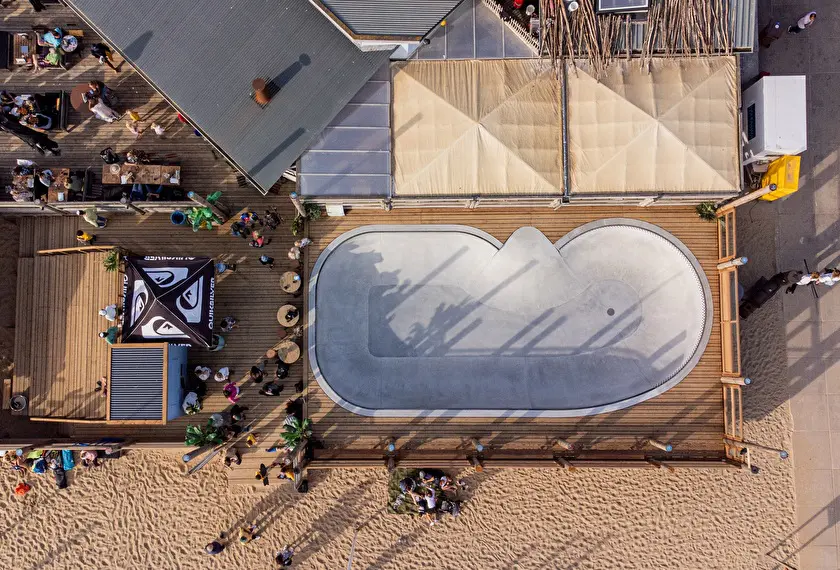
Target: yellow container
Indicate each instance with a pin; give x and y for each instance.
(784, 173)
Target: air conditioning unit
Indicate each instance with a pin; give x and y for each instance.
(774, 118)
(623, 5)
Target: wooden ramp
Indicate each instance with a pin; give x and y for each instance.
(59, 355)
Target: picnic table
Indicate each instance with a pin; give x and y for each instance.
(161, 174)
(23, 46)
(290, 282)
(58, 191)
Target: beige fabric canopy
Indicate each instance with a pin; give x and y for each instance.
(469, 128)
(673, 130)
(476, 128)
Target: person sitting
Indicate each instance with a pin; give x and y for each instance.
(222, 374)
(51, 38)
(232, 457)
(90, 459)
(271, 389)
(228, 324)
(45, 176)
(203, 373)
(100, 109)
(427, 479)
(110, 335)
(37, 122)
(20, 195)
(135, 156)
(282, 370)
(101, 91)
(407, 485)
(109, 312)
(447, 484)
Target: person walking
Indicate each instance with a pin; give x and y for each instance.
(249, 533)
(103, 53)
(266, 260)
(92, 217)
(85, 238)
(803, 22)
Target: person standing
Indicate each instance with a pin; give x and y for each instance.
(803, 22)
(284, 557)
(214, 548)
(93, 218)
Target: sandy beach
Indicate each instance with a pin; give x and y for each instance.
(141, 512)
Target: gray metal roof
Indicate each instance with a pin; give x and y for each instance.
(204, 55)
(136, 383)
(390, 18)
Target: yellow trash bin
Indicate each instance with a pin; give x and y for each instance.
(784, 173)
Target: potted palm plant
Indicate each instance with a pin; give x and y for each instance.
(295, 431)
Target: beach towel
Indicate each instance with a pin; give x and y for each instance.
(39, 466)
(67, 459)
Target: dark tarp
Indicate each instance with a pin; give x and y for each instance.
(168, 299)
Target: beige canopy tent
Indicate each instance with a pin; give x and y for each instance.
(672, 130)
(492, 128)
(476, 128)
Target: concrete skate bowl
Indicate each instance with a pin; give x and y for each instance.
(446, 321)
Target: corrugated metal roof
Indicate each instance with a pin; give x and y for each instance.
(743, 29)
(204, 55)
(136, 383)
(390, 18)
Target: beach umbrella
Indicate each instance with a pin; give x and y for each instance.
(76, 95)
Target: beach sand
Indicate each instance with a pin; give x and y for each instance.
(139, 511)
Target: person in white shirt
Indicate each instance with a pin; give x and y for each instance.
(803, 22)
(109, 312)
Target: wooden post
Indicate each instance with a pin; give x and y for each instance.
(733, 262)
(126, 201)
(475, 461)
(564, 444)
(736, 381)
(754, 195)
(297, 204)
(205, 204)
(564, 463)
(660, 445)
(660, 465)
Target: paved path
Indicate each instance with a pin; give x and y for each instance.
(805, 227)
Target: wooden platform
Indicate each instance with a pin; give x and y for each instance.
(690, 415)
(58, 353)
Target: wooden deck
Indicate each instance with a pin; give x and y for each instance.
(690, 415)
(202, 169)
(58, 352)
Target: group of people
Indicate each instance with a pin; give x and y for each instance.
(91, 216)
(828, 277)
(250, 533)
(433, 494)
(26, 110)
(57, 462)
(30, 181)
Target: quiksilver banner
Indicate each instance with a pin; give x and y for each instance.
(168, 299)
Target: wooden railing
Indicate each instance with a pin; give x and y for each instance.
(730, 336)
